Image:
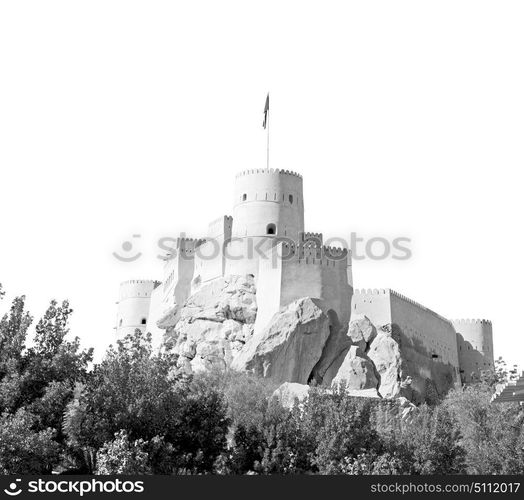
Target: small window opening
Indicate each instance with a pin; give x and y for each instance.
(291, 198)
(144, 321)
(244, 197)
(271, 229)
(120, 324)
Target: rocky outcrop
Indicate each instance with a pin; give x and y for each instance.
(288, 349)
(361, 331)
(356, 372)
(385, 354)
(214, 324)
(290, 393)
(300, 345)
(168, 319)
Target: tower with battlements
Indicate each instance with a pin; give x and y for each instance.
(134, 301)
(475, 347)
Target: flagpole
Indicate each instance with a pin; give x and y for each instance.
(265, 124)
(267, 155)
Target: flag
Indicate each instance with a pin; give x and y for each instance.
(266, 111)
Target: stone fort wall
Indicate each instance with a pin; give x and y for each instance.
(179, 269)
(289, 274)
(475, 347)
(427, 340)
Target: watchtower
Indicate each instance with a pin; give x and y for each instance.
(133, 306)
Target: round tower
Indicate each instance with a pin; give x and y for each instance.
(268, 202)
(134, 299)
(269, 205)
(475, 347)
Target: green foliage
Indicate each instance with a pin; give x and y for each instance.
(433, 437)
(122, 456)
(142, 393)
(24, 450)
(13, 334)
(135, 413)
(343, 428)
(492, 434)
(37, 383)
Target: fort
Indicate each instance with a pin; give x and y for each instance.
(265, 240)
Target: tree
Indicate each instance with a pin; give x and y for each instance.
(122, 456)
(142, 393)
(491, 434)
(13, 334)
(36, 384)
(46, 374)
(341, 427)
(434, 439)
(24, 450)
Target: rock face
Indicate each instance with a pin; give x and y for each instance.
(385, 354)
(356, 372)
(361, 331)
(168, 319)
(288, 349)
(373, 361)
(214, 324)
(300, 345)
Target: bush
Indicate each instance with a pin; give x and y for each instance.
(122, 456)
(492, 435)
(24, 450)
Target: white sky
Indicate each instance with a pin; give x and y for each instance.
(123, 117)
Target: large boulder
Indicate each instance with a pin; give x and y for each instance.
(357, 371)
(332, 356)
(361, 331)
(230, 297)
(290, 346)
(214, 324)
(385, 354)
(289, 393)
(169, 318)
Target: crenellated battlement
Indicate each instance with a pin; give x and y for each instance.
(191, 241)
(312, 250)
(471, 321)
(389, 291)
(334, 252)
(184, 243)
(137, 288)
(308, 236)
(268, 171)
(369, 291)
(140, 282)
